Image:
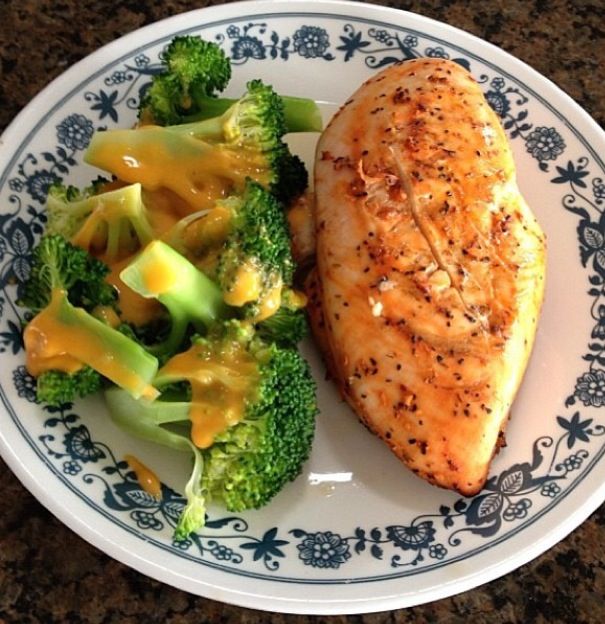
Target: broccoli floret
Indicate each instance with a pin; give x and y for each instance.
(56, 387)
(250, 462)
(205, 160)
(56, 263)
(110, 224)
(192, 68)
(191, 298)
(256, 248)
(263, 398)
(193, 71)
(257, 122)
(65, 339)
(300, 114)
(286, 327)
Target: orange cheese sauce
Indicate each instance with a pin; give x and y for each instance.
(207, 231)
(158, 278)
(134, 308)
(147, 479)
(220, 385)
(107, 315)
(165, 209)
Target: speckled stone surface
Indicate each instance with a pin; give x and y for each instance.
(48, 574)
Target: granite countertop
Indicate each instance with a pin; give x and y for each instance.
(48, 574)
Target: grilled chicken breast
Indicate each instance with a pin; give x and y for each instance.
(430, 268)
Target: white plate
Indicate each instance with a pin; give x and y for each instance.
(356, 532)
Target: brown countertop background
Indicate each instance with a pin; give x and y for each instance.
(48, 574)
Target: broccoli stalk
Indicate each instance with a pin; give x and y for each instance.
(67, 348)
(145, 420)
(265, 437)
(205, 160)
(110, 225)
(161, 273)
(193, 71)
(62, 330)
(300, 114)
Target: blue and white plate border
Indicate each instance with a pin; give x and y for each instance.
(265, 593)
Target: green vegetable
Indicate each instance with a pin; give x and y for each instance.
(57, 388)
(185, 90)
(251, 461)
(191, 298)
(288, 326)
(60, 272)
(244, 142)
(193, 68)
(258, 237)
(143, 419)
(232, 390)
(56, 263)
(111, 224)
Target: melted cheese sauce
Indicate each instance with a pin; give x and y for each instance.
(208, 231)
(158, 277)
(107, 315)
(147, 479)
(134, 308)
(220, 385)
(165, 209)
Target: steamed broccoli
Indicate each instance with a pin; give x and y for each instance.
(262, 438)
(255, 258)
(109, 224)
(250, 462)
(55, 387)
(194, 70)
(56, 263)
(248, 255)
(288, 326)
(232, 389)
(192, 299)
(244, 243)
(205, 160)
(251, 401)
(68, 349)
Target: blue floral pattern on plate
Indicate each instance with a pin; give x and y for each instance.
(508, 499)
